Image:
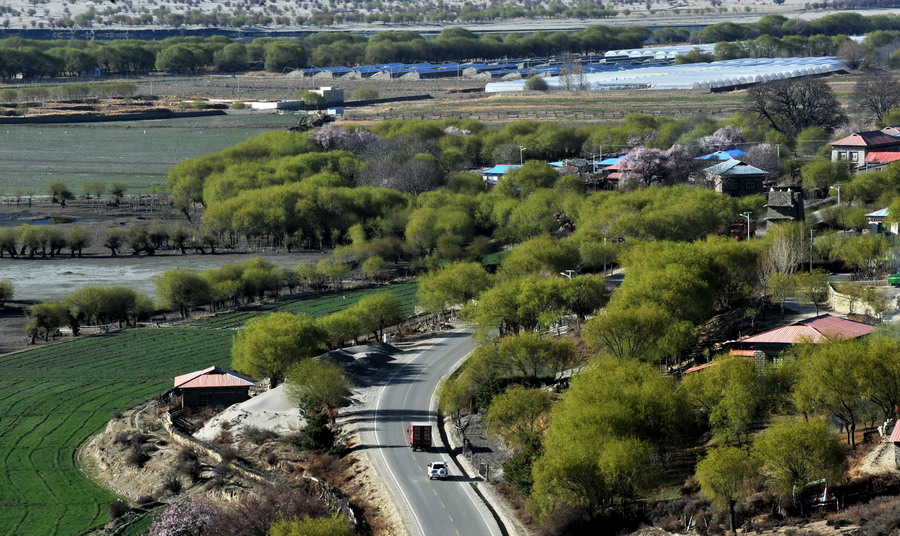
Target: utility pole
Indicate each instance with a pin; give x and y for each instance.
(747, 215)
(838, 188)
(521, 156)
(810, 249)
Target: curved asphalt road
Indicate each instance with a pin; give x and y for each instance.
(428, 507)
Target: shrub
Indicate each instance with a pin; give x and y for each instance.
(116, 509)
(536, 83)
(238, 105)
(144, 500)
(172, 484)
(137, 457)
(317, 435)
(364, 94)
(256, 435)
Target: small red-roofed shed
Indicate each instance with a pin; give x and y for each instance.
(213, 386)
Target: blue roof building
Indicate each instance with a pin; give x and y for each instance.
(723, 155)
(491, 175)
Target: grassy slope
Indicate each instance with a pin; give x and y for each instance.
(52, 398)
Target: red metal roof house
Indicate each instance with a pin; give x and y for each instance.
(811, 330)
(212, 386)
(856, 147)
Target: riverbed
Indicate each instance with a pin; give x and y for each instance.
(43, 279)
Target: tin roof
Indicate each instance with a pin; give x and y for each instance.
(867, 139)
(883, 156)
(723, 155)
(734, 167)
(212, 377)
(816, 329)
(500, 169)
(699, 367)
(895, 435)
(882, 213)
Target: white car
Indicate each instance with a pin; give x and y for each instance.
(437, 470)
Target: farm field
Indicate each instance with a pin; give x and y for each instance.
(54, 397)
(315, 305)
(137, 154)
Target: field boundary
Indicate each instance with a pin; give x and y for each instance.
(94, 118)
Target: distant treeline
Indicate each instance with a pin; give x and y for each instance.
(41, 59)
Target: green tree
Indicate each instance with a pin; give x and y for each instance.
(178, 58)
(375, 268)
(530, 355)
(598, 446)
(780, 287)
(316, 385)
(584, 294)
(519, 416)
(340, 327)
(522, 182)
(311, 98)
(115, 238)
(828, 382)
(640, 332)
(268, 346)
(812, 287)
(283, 54)
(6, 291)
(44, 319)
(820, 174)
(379, 311)
(451, 286)
(726, 476)
(794, 453)
(60, 193)
(78, 239)
(231, 58)
(730, 396)
(181, 290)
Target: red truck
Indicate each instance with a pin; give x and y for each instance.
(420, 435)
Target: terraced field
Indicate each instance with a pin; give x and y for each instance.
(52, 398)
(317, 305)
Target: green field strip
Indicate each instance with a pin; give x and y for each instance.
(317, 305)
(11, 519)
(23, 396)
(60, 394)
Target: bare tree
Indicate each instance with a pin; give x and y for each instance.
(571, 75)
(789, 106)
(853, 53)
(875, 94)
(765, 158)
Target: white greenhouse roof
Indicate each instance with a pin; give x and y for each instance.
(658, 52)
(718, 74)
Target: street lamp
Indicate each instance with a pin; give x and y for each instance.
(521, 156)
(747, 215)
(838, 188)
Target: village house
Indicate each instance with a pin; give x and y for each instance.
(736, 178)
(212, 386)
(813, 330)
(855, 148)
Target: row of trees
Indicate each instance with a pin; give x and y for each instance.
(270, 346)
(773, 35)
(88, 306)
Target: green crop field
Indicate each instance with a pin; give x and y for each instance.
(137, 154)
(52, 398)
(316, 305)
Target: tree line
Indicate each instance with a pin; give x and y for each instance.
(772, 35)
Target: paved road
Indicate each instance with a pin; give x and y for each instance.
(429, 507)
